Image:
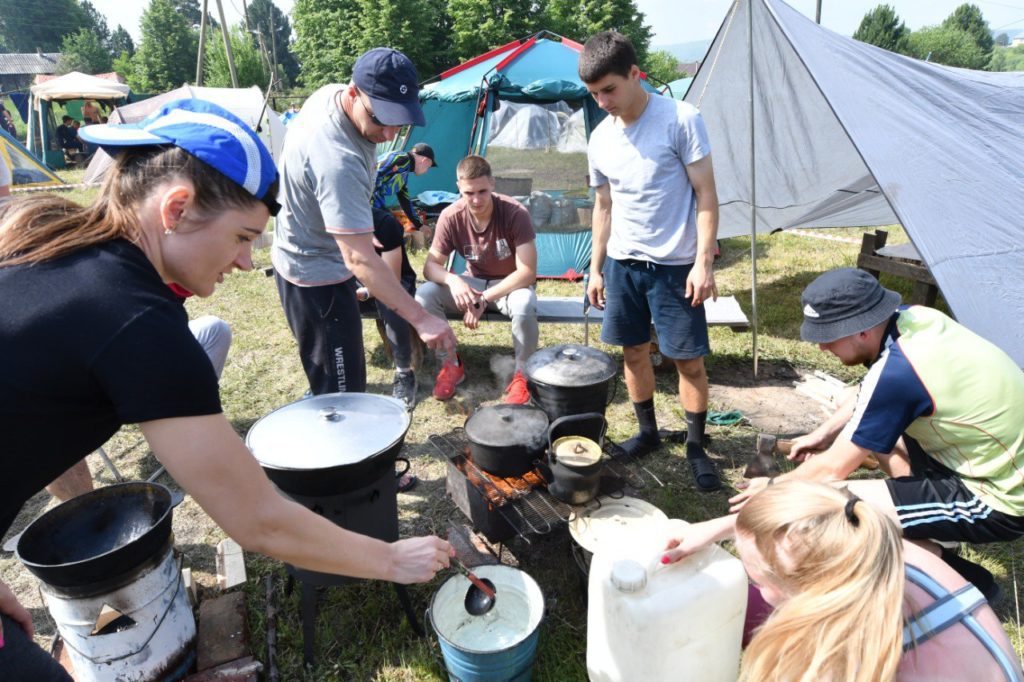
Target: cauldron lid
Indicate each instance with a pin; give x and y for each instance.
(504, 425)
(328, 430)
(570, 365)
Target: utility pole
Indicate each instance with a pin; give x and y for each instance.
(227, 45)
(245, 15)
(817, 13)
(265, 54)
(202, 46)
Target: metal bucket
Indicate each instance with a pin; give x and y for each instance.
(153, 638)
(499, 646)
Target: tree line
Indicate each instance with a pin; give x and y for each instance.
(328, 36)
(963, 39)
(166, 55)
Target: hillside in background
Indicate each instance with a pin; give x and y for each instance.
(692, 51)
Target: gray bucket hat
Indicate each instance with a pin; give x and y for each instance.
(844, 302)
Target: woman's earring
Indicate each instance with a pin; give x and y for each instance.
(168, 231)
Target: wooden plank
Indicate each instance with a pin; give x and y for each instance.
(894, 267)
(725, 312)
(230, 564)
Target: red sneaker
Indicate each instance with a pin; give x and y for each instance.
(450, 376)
(516, 392)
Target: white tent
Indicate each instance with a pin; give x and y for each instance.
(526, 126)
(245, 103)
(573, 135)
(810, 128)
(76, 85)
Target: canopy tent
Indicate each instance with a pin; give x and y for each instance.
(72, 86)
(76, 85)
(26, 169)
(247, 104)
(810, 128)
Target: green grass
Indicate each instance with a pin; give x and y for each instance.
(361, 633)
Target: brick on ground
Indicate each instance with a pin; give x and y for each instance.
(223, 634)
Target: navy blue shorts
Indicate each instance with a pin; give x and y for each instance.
(638, 293)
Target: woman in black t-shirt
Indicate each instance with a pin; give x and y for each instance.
(94, 339)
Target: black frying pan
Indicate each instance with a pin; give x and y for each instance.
(99, 536)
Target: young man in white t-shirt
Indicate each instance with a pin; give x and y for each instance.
(655, 226)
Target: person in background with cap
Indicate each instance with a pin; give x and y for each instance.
(95, 339)
(323, 240)
(392, 180)
(393, 171)
(941, 408)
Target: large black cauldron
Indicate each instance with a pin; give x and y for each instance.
(330, 444)
(571, 379)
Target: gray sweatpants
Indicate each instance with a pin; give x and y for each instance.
(520, 305)
(214, 335)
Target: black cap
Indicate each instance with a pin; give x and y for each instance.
(389, 79)
(844, 302)
(424, 149)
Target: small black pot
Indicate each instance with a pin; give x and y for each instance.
(100, 538)
(506, 440)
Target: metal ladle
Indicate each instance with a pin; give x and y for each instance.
(481, 594)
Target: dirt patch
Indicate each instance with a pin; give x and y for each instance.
(781, 400)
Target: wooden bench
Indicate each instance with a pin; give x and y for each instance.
(725, 312)
(901, 260)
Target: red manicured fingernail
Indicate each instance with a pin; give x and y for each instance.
(665, 559)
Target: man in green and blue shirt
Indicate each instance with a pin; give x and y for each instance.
(941, 407)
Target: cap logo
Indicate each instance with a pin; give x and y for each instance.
(810, 312)
(403, 88)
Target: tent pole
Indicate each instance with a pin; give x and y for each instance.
(227, 45)
(202, 45)
(753, 188)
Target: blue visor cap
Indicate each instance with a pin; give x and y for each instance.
(205, 130)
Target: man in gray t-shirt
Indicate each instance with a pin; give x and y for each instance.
(323, 240)
(655, 226)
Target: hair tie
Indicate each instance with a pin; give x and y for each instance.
(849, 510)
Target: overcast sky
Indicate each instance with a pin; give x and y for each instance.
(681, 21)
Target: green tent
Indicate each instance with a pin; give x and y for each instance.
(678, 88)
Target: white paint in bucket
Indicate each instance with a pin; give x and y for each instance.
(156, 646)
(498, 646)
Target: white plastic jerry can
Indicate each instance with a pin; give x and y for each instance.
(653, 622)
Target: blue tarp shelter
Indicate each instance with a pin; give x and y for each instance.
(458, 105)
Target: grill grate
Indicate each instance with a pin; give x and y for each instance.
(501, 508)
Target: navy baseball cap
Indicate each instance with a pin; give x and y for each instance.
(205, 130)
(389, 79)
(424, 149)
(844, 302)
